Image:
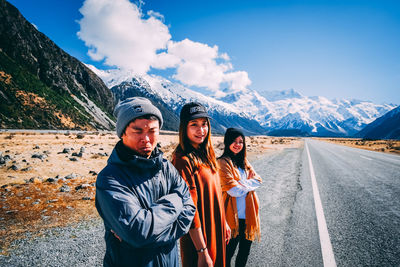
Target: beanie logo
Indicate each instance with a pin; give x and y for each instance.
(138, 109)
(197, 109)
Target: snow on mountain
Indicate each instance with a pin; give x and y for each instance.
(177, 95)
(98, 115)
(271, 110)
(170, 97)
(112, 77)
(280, 95)
(172, 93)
(315, 115)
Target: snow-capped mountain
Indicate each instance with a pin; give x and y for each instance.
(170, 97)
(317, 116)
(256, 113)
(280, 95)
(385, 127)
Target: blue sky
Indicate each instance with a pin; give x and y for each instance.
(337, 49)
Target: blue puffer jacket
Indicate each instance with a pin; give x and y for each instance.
(148, 205)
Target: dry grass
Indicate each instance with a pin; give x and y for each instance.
(36, 206)
(30, 203)
(387, 146)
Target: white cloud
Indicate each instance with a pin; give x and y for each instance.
(198, 64)
(155, 14)
(165, 60)
(238, 80)
(117, 32)
(225, 57)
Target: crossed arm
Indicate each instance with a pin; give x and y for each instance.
(163, 222)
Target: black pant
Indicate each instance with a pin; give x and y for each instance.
(244, 247)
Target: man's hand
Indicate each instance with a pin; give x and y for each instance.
(228, 233)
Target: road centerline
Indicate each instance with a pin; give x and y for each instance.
(326, 246)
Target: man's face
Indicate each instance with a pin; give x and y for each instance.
(141, 135)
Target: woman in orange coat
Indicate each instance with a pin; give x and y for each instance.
(238, 181)
(194, 158)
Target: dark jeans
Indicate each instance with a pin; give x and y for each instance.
(244, 247)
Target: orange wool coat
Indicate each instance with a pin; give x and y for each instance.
(205, 189)
(229, 176)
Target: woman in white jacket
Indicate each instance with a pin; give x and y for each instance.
(238, 182)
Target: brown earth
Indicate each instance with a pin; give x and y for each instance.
(30, 195)
(387, 146)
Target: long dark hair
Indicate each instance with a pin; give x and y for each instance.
(203, 155)
(239, 160)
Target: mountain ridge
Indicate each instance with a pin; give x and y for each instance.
(45, 86)
(385, 127)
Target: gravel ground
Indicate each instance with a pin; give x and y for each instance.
(79, 245)
(83, 243)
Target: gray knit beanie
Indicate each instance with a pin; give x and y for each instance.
(132, 108)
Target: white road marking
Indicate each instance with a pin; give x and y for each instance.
(365, 157)
(326, 246)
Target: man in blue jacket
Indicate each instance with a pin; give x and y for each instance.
(144, 202)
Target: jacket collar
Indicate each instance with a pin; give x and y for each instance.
(123, 155)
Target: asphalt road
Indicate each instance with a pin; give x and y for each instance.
(360, 197)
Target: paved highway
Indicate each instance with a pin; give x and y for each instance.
(359, 193)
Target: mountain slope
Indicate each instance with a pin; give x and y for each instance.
(139, 87)
(385, 127)
(44, 87)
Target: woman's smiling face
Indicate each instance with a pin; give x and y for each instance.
(237, 145)
(197, 131)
